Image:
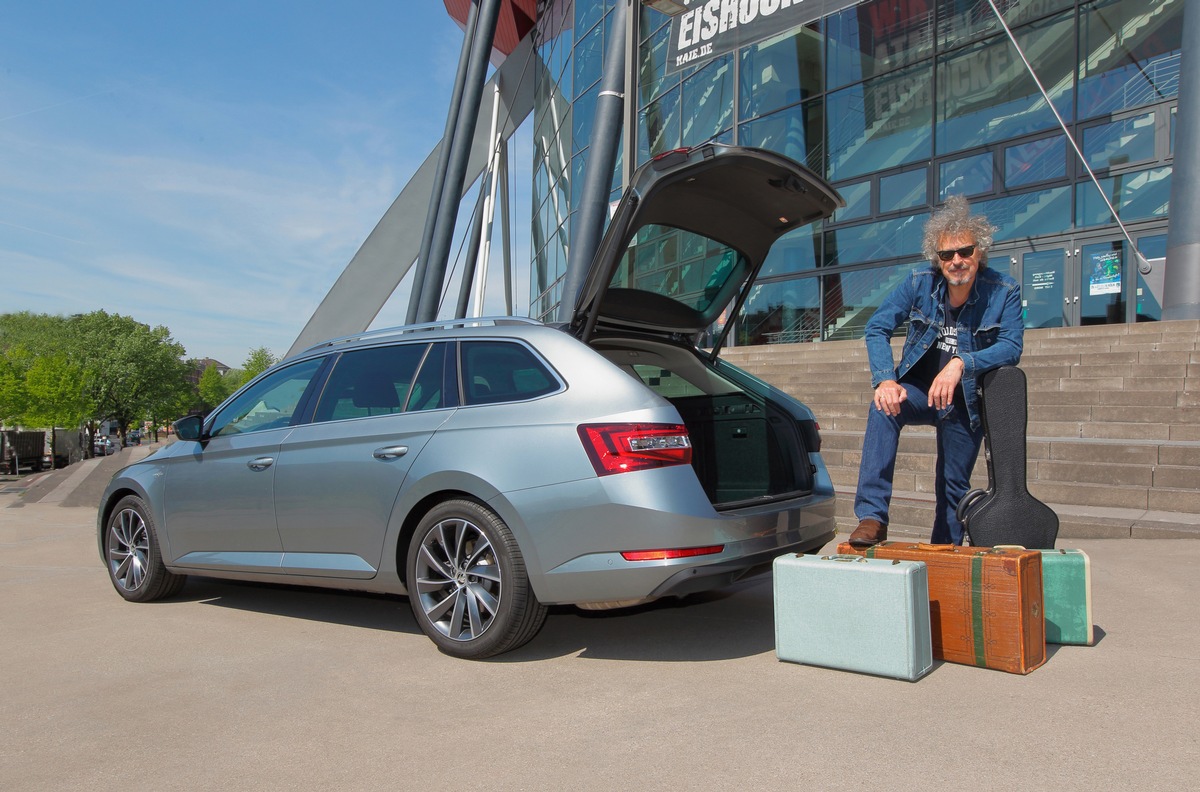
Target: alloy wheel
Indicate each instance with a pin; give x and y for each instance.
(459, 581)
(128, 549)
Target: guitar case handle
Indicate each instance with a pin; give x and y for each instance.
(968, 500)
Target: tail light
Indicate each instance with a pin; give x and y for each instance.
(620, 448)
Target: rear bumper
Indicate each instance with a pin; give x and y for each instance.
(577, 556)
(705, 578)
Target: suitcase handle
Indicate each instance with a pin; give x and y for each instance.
(940, 548)
(853, 557)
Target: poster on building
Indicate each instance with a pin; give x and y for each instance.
(709, 28)
(1106, 273)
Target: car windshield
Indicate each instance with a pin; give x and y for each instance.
(690, 268)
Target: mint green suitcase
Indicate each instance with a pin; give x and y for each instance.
(869, 615)
(1067, 597)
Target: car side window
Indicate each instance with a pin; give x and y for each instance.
(428, 389)
(268, 403)
(370, 382)
(501, 371)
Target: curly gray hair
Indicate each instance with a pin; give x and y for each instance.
(953, 219)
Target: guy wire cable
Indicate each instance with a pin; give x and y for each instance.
(1143, 265)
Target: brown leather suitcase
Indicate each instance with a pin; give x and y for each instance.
(985, 604)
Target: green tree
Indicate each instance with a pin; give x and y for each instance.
(55, 399)
(258, 361)
(213, 387)
(128, 367)
(13, 396)
(38, 334)
(24, 338)
(57, 370)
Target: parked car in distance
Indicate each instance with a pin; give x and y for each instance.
(104, 446)
(488, 468)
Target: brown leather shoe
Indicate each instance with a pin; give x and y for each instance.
(868, 533)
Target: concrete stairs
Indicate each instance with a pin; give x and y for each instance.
(1113, 439)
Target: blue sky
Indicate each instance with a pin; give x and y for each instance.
(210, 167)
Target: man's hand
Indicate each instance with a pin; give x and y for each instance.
(888, 396)
(941, 392)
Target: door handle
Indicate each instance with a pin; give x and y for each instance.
(261, 463)
(389, 452)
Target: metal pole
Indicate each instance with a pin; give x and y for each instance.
(439, 176)
(505, 232)
(1181, 287)
(633, 33)
(489, 208)
(474, 237)
(439, 251)
(588, 226)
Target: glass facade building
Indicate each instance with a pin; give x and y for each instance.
(899, 103)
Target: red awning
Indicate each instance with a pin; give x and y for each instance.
(516, 19)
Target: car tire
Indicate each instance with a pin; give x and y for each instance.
(132, 557)
(467, 582)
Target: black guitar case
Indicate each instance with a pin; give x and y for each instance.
(1005, 513)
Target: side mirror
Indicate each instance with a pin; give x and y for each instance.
(189, 427)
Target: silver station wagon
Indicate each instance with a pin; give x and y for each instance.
(488, 468)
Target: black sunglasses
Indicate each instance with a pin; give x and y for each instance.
(964, 252)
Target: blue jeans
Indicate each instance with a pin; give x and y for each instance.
(957, 448)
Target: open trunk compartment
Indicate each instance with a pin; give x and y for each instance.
(744, 450)
(750, 443)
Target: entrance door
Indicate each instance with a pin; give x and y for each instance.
(1089, 281)
(1104, 282)
(1047, 294)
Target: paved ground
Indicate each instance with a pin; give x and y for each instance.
(240, 686)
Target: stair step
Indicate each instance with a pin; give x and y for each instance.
(1114, 425)
(912, 516)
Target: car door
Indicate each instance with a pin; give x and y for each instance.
(220, 504)
(338, 476)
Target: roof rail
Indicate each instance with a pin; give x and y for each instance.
(445, 324)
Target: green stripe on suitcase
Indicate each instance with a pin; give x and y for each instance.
(977, 608)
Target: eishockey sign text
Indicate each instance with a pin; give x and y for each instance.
(713, 27)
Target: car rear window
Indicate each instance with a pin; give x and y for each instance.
(687, 267)
(500, 371)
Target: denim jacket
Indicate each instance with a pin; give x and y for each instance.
(990, 328)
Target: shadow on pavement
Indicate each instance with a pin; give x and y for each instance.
(720, 625)
(333, 606)
(717, 625)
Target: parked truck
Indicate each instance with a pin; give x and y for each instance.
(63, 447)
(20, 449)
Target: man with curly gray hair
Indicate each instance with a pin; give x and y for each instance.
(964, 319)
